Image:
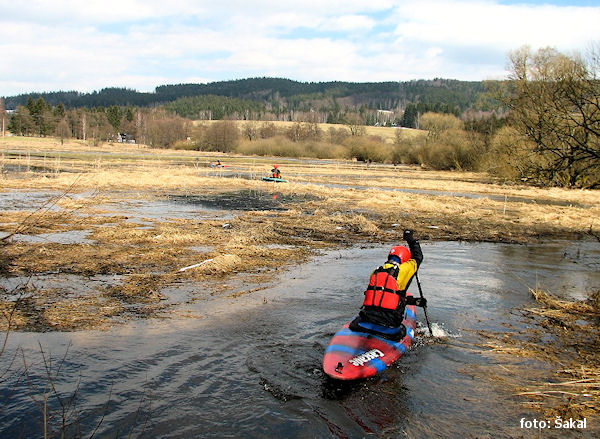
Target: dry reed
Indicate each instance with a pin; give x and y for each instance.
(571, 386)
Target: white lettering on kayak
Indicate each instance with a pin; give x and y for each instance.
(366, 357)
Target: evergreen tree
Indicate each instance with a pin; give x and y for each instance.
(410, 119)
(21, 122)
(59, 111)
(113, 114)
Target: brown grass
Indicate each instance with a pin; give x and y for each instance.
(97, 183)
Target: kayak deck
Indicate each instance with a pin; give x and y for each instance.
(276, 180)
(353, 355)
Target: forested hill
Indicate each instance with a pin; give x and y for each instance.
(453, 95)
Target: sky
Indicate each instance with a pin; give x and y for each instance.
(141, 44)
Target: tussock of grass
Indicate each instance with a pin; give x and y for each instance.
(88, 312)
(51, 309)
(568, 308)
(222, 264)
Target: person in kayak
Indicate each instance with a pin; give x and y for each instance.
(275, 172)
(385, 297)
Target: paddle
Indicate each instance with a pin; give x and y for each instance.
(424, 307)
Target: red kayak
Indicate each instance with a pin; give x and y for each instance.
(353, 355)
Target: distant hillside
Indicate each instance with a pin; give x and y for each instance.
(280, 94)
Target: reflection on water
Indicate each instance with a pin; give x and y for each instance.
(252, 367)
(27, 200)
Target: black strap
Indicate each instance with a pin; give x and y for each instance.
(376, 288)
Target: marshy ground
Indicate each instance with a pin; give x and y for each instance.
(92, 237)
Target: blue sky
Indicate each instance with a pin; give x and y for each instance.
(140, 44)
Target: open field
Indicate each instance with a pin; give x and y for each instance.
(131, 218)
(388, 134)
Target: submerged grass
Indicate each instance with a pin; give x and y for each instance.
(566, 341)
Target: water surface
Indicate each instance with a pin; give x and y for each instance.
(251, 366)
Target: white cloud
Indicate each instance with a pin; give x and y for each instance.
(480, 23)
(67, 44)
(350, 23)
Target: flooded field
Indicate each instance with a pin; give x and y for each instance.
(154, 296)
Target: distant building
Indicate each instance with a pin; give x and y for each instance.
(125, 138)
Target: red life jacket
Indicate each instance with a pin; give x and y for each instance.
(382, 291)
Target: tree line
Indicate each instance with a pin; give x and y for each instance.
(545, 127)
(283, 98)
(152, 126)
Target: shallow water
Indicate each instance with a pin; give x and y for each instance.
(70, 237)
(240, 200)
(233, 173)
(471, 195)
(251, 366)
(27, 200)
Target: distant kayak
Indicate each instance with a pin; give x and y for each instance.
(276, 180)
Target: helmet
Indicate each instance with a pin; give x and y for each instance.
(275, 166)
(400, 252)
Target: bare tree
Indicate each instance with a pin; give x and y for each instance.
(163, 132)
(355, 124)
(267, 130)
(338, 135)
(222, 136)
(437, 123)
(3, 118)
(250, 130)
(63, 130)
(554, 102)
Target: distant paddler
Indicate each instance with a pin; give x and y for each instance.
(218, 164)
(275, 172)
(275, 175)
